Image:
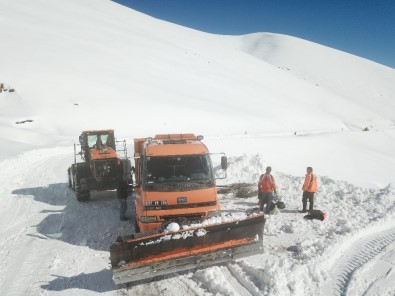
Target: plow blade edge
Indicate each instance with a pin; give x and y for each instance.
(138, 257)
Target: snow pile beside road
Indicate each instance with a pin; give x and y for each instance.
(299, 252)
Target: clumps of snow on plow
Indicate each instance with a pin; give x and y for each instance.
(172, 227)
(174, 231)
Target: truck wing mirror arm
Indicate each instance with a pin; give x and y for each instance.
(224, 163)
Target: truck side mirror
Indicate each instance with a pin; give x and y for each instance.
(81, 139)
(224, 163)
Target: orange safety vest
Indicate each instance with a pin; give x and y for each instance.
(266, 183)
(310, 183)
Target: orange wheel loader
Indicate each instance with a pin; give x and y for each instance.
(101, 168)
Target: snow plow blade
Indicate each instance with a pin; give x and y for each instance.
(139, 257)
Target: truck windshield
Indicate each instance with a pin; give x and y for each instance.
(179, 168)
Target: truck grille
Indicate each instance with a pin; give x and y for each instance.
(180, 206)
(186, 216)
(178, 186)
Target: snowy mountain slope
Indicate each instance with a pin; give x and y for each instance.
(84, 55)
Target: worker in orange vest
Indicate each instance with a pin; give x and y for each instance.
(309, 188)
(266, 187)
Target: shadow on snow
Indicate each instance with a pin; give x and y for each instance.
(98, 282)
(94, 224)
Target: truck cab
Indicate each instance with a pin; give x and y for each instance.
(175, 181)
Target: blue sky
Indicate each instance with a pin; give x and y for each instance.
(362, 27)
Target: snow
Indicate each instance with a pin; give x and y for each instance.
(263, 99)
(172, 227)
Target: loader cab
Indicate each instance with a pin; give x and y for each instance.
(96, 140)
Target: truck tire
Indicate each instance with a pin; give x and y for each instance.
(136, 225)
(80, 173)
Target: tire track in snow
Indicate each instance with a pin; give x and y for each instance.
(166, 285)
(376, 276)
(233, 281)
(191, 287)
(361, 252)
(239, 273)
(228, 279)
(217, 280)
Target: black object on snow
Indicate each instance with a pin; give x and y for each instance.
(315, 214)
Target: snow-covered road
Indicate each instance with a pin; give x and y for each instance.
(50, 244)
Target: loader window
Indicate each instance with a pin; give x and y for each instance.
(178, 168)
(104, 139)
(95, 140)
(92, 139)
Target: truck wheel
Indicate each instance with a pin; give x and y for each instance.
(136, 225)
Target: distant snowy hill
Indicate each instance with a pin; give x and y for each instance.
(362, 84)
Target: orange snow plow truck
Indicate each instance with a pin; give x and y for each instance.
(178, 221)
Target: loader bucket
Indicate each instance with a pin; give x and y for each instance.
(135, 257)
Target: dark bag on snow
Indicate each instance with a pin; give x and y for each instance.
(280, 205)
(315, 214)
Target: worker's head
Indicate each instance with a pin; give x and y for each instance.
(268, 169)
(309, 169)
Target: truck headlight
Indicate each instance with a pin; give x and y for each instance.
(148, 219)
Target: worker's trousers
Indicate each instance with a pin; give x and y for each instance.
(310, 197)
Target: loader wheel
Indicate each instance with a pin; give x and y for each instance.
(80, 172)
(81, 195)
(70, 178)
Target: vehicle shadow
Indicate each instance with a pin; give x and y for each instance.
(53, 194)
(99, 282)
(94, 224)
